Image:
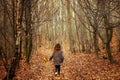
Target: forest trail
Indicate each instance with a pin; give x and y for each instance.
(42, 69)
(80, 66)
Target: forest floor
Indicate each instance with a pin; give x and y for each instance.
(80, 66)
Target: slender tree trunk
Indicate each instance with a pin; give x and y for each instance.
(107, 45)
(69, 26)
(95, 44)
(105, 8)
(28, 41)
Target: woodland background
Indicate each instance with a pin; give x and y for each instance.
(88, 30)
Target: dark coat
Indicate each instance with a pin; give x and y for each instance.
(57, 57)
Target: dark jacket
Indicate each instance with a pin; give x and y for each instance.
(57, 57)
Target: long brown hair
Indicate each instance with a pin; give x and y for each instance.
(57, 47)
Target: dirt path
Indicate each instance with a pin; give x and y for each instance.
(42, 69)
(76, 67)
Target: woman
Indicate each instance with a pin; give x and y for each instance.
(57, 57)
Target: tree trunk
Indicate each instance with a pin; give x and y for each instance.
(28, 41)
(109, 33)
(95, 44)
(107, 45)
(12, 67)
